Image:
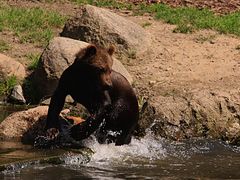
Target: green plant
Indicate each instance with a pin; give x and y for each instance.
(33, 61)
(132, 54)
(6, 85)
(4, 46)
(146, 24)
(202, 39)
(183, 28)
(141, 101)
(106, 3)
(30, 24)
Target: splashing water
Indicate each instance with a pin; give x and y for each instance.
(147, 148)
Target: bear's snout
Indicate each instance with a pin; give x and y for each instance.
(106, 81)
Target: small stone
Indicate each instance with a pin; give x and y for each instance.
(17, 95)
(212, 42)
(151, 83)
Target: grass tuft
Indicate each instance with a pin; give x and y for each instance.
(32, 25)
(146, 24)
(4, 46)
(184, 28)
(106, 3)
(6, 85)
(33, 61)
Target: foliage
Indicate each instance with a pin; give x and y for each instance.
(33, 61)
(146, 24)
(6, 85)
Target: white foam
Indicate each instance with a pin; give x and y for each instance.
(146, 148)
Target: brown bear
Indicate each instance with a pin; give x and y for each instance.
(106, 94)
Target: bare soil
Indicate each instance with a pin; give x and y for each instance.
(183, 62)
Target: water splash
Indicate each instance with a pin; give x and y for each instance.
(148, 147)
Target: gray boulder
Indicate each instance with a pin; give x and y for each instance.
(200, 113)
(60, 54)
(101, 26)
(17, 95)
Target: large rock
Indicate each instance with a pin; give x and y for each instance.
(24, 124)
(201, 113)
(101, 26)
(10, 67)
(60, 54)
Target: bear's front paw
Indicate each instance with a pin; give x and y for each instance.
(47, 141)
(52, 133)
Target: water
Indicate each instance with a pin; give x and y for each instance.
(147, 158)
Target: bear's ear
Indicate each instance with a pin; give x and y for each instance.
(86, 53)
(90, 51)
(111, 50)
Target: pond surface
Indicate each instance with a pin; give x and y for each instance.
(147, 158)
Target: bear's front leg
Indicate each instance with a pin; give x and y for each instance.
(53, 126)
(55, 107)
(92, 123)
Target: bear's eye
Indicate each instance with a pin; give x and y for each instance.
(101, 70)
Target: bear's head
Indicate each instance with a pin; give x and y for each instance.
(99, 63)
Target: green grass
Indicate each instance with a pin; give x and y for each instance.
(6, 85)
(4, 46)
(32, 25)
(106, 3)
(146, 24)
(189, 19)
(202, 39)
(33, 61)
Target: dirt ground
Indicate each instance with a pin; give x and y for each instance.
(183, 62)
